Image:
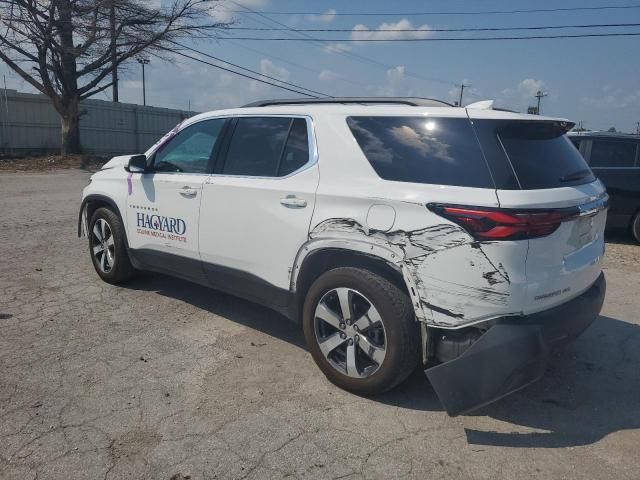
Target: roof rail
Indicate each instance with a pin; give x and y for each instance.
(412, 101)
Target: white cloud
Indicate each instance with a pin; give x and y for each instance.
(328, 76)
(362, 32)
(267, 67)
(396, 75)
(522, 95)
(395, 84)
(337, 48)
(530, 86)
(326, 17)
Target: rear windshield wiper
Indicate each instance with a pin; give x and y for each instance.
(575, 175)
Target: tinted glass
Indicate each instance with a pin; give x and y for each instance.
(612, 153)
(190, 150)
(442, 151)
(542, 156)
(296, 153)
(257, 146)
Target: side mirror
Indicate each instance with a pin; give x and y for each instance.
(137, 164)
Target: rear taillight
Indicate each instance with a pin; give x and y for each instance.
(503, 224)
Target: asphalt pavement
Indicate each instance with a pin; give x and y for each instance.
(162, 379)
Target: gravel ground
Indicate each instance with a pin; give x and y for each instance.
(50, 163)
(622, 252)
(162, 379)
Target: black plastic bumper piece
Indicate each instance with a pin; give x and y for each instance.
(513, 353)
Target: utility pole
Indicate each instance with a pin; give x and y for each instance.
(143, 62)
(540, 95)
(462, 86)
(114, 66)
(637, 128)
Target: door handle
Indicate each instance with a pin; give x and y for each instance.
(188, 192)
(291, 201)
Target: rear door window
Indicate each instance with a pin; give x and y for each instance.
(267, 147)
(612, 153)
(441, 151)
(542, 156)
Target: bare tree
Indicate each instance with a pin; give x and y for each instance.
(69, 49)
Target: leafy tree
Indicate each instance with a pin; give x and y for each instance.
(69, 49)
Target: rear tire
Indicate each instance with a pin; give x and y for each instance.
(381, 343)
(108, 247)
(635, 227)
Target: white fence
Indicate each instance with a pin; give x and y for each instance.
(29, 124)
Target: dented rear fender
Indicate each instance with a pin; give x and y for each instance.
(453, 280)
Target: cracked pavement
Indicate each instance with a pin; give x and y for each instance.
(162, 379)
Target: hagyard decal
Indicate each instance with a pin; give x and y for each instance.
(160, 226)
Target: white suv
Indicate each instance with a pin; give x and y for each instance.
(397, 231)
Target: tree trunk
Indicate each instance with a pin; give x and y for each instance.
(70, 121)
(69, 101)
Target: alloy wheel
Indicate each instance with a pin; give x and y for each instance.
(103, 245)
(350, 332)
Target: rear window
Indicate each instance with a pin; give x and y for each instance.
(612, 153)
(542, 156)
(442, 151)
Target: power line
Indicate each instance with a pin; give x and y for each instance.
(290, 62)
(435, 39)
(428, 30)
(294, 64)
(249, 70)
(309, 38)
(182, 54)
(476, 12)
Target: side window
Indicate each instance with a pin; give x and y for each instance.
(441, 151)
(296, 153)
(190, 150)
(612, 153)
(267, 147)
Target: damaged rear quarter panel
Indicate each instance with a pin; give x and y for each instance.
(454, 280)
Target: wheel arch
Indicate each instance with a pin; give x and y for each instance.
(314, 262)
(94, 201)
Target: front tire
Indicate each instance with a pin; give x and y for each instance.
(108, 248)
(361, 330)
(635, 227)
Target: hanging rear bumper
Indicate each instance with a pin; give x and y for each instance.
(513, 353)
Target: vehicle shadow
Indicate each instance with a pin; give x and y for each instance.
(590, 390)
(232, 308)
(619, 235)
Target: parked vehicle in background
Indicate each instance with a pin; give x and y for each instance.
(397, 231)
(615, 159)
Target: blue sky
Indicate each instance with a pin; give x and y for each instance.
(596, 80)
